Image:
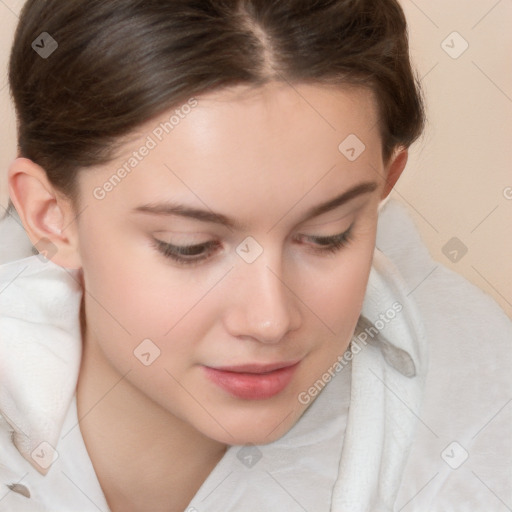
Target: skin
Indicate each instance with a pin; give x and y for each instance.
(263, 157)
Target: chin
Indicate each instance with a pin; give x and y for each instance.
(255, 427)
(257, 437)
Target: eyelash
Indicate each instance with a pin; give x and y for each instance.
(193, 254)
(332, 244)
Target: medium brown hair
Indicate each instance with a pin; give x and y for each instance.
(121, 62)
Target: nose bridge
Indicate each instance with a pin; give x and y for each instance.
(263, 306)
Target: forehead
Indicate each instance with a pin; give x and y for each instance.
(317, 110)
(252, 144)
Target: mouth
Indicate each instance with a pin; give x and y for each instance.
(253, 381)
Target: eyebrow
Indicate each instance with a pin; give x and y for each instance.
(171, 208)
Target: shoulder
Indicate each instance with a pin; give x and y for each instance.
(462, 445)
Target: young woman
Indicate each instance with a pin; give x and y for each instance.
(208, 324)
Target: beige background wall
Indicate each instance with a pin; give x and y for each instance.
(458, 183)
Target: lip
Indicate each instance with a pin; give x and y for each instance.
(253, 381)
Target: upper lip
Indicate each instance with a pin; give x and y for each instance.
(256, 368)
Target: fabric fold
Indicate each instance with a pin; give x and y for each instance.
(39, 359)
(388, 379)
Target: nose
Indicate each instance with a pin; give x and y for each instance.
(263, 306)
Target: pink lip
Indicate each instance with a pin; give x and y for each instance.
(253, 381)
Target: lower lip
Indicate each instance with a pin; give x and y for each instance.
(252, 386)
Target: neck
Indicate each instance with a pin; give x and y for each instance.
(144, 457)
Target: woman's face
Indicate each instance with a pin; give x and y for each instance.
(226, 263)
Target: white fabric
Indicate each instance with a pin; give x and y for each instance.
(14, 242)
(468, 397)
(70, 485)
(39, 360)
(355, 462)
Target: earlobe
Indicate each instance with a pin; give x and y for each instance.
(395, 168)
(44, 213)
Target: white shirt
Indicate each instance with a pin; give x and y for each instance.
(419, 421)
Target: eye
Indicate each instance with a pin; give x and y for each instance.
(187, 254)
(329, 244)
(194, 254)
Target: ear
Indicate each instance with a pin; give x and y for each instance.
(395, 167)
(48, 217)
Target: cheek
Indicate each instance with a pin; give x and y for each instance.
(336, 297)
(115, 296)
(132, 295)
(336, 292)
(121, 278)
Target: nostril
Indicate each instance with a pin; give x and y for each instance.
(20, 489)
